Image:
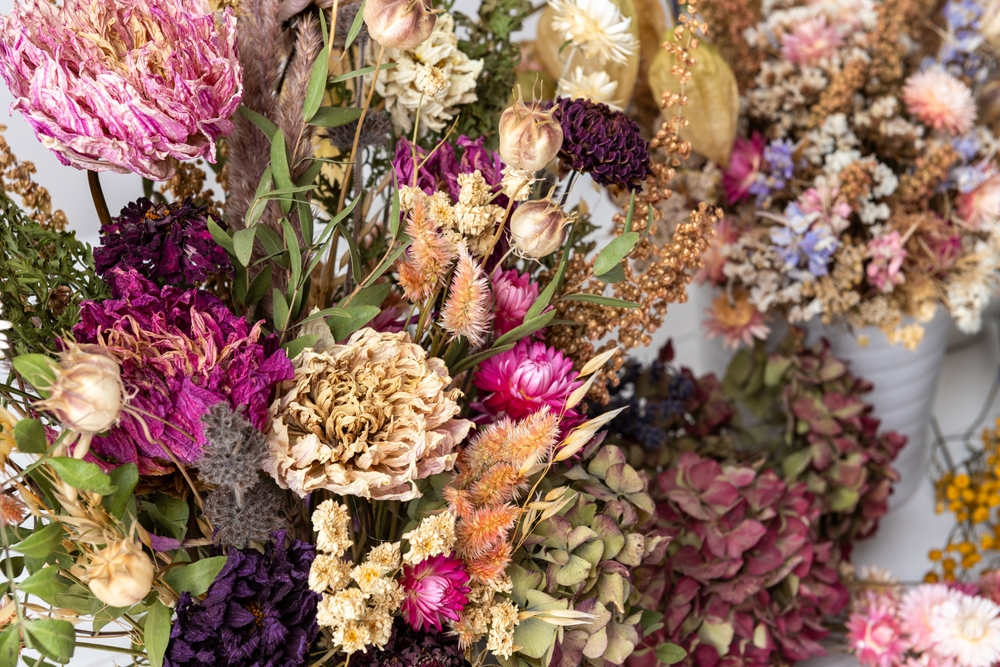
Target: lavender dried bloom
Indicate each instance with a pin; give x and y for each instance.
(237, 521)
(235, 451)
(603, 143)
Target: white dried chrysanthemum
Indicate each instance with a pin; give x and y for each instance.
(331, 521)
(435, 77)
(596, 87)
(329, 572)
(385, 557)
(596, 27)
(366, 418)
(503, 620)
(434, 536)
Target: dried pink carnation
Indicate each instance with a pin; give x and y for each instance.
(181, 352)
(810, 41)
(123, 85)
(885, 254)
(513, 294)
(940, 101)
(526, 379)
(874, 635)
(744, 165)
(434, 590)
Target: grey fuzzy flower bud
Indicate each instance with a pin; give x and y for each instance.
(235, 451)
(261, 512)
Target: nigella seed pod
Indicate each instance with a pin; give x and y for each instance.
(87, 394)
(529, 137)
(399, 24)
(538, 228)
(120, 574)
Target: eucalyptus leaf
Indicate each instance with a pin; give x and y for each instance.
(279, 309)
(469, 362)
(615, 275)
(221, 236)
(359, 19)
(335, 116)
(156, 633)
(615, 252)
(601, 300)
(264, 124)
(280, 169)
(29, 436)
(294, 256)
(316, 87)
(529, 327)
(243, 243)
(82, 475)
(364, 71)
(258, 287)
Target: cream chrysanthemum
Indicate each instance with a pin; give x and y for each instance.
(941, 101)
(366, 418)
(596, 87)
(968, 630)
(435, 77)
(434, 536)
(596, 27)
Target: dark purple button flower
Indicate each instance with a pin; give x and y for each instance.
(169, 244)
(603, 143)
(259, 612)
(413, 648)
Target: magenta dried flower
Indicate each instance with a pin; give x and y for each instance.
(181, 352)
(434, 591)
(123, 85)
(603, 143)
(169, 244)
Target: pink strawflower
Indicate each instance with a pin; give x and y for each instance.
(714, 261)
(874, 635)
(917, 609)
(940, 101)
(989, 585)
(527, 378)
(434, 590)
(513, 294)
(736, 321)
(810, 41)
(826, 201)
(744, 164)
(886, 255)
(981, 205)
(123, 85)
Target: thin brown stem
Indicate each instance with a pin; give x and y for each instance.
(97, 193)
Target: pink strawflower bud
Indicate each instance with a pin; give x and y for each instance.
(744, 165)
(526, 379)
(810, 41)
(886, 255)
(513, 294)
(940, 101)
(435, 590)
(123, 85)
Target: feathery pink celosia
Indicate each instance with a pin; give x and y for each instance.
(917, 609)
(527, 378)
(940, 101)
(981, 205)
(123, 85)
(467, 311)
(874, 635)
(513, 294)
(434, 590)
(744, 164)
(810, 41)
(885, 254)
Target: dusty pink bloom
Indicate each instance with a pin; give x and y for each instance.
(526, 379)
(917, 609)
(874, 635)
(714, 261)
(123, 85)
(982, 204)
(744, 164)
(810, 41)
(513, 294)
(435, 590)
(886, 255)
(825, 201)
(940, 101)
(989, 585)
(736, 321)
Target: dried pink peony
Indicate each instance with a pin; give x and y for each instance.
(365, 418)
(123, 85)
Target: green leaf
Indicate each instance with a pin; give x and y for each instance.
(53, 639)
(359, 19)
(394, 211)
(615, 252)
(221, 236)
(372, 295)
(294, 348)
(534, 636)
(42, 542)
(196, 577)
(601, 300)
(45, 584)
(280, 169)
(273, 245)
(170, 513)
(265, 125)
(156, 634)
(469, 362)
(670, 654)
(355, 256)
(545, 298)
(615, 275)
(341, 328)
(405, 242)
(259, 286)
(317, 82)
(294, 256)
(256, 209)
(82, 475)
(29, 436)
(279, 309)
(364, 71)
(37, 370)
(631, 212)
(10, 646)
(529, 327)
(335, 116)
(243, 242)
(124, 478)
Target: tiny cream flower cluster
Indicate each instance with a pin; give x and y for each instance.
(490, 616)
(434, 536)
(473, 220)
(360, 615)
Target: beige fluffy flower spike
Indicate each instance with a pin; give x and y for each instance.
(468, 309)
(365, 418)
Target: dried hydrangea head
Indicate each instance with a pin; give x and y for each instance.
(366, 418)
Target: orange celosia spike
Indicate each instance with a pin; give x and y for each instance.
(534, 437)
(478, 534)
(468, 309)
(491, 565)
(482, 452)
(498, 485)
(427, 259)
(458, 502)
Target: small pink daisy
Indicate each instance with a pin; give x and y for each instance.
(744, 164)
(810, 41)
(434, 590)
(875, 637)
(916, 610)
(940, 101)
(737, 321)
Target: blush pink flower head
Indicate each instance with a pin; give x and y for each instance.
(744, 165)
(527, 378)
(885, 254)
(123, 85)
(981, 205)
(874, 635)
(513, 293)
(940, 101)
(916, 611)
(434, 590)
(810, 41)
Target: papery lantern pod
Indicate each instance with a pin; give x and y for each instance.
(548, 50)
(713, 107)
(651, 30)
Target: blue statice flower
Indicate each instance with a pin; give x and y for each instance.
(798, 243)
(968, 178)
(777, 169)
(959, 48)
(967, 145)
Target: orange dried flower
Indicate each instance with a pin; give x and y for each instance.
(469, 307)
(478, 535)
(427, 259)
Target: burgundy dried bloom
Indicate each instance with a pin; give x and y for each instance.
(603, 143)
(169, 244)
(181, 352)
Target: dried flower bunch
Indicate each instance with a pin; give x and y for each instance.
(864, 187)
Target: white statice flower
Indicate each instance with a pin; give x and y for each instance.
(885, 181)
(4, 326)
(968, 630)
(968, 293)
(596, 87)
(596, 27)
(870, 212)
(435, 77)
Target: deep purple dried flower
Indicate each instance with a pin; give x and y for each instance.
(440, 171)
(259, 612)
(412, 648)
(603, 143)
(180, 352)
(169, 244)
